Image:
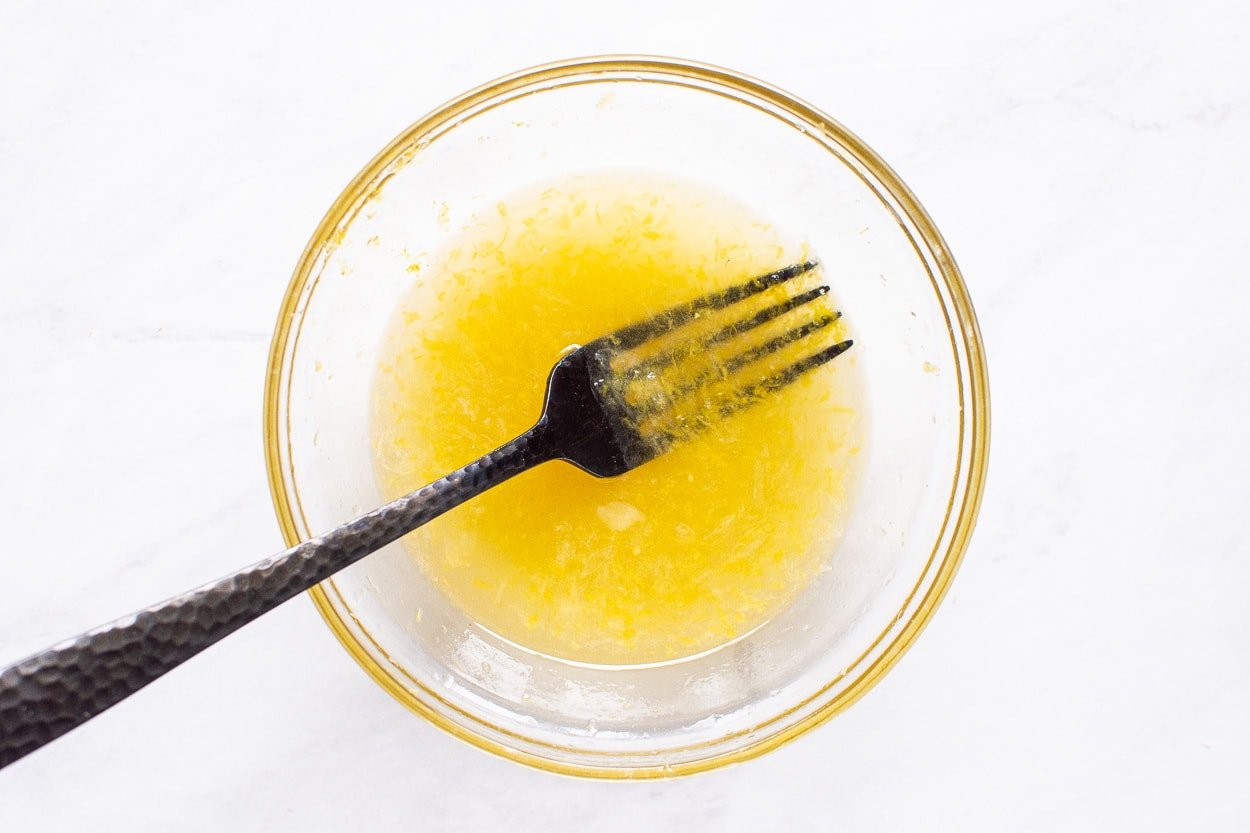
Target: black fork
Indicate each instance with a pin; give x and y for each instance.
(587, 420)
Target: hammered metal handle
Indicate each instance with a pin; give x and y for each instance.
(46, 695)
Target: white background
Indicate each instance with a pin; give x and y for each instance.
(162, 166)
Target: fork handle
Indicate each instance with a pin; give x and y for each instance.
(48, 694)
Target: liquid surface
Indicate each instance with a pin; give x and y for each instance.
(683, 554)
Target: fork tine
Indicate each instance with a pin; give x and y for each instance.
(744, 358)
(745, 398)
(634, 334)
(773, 345)
(764, 316)
(771, 384)
(727, 332)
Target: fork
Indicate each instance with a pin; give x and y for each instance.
(603, 413)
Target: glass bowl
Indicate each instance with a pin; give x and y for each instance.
(916, 337)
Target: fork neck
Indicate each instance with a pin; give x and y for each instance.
(536, 446)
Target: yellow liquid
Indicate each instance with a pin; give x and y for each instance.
(688, 551)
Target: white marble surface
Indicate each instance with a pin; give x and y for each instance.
(161, 167)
